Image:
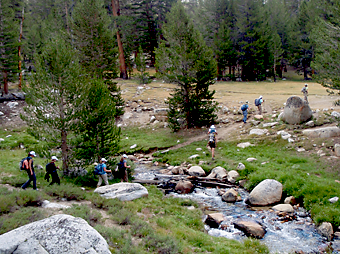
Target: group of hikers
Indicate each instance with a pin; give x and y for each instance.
(51, 170)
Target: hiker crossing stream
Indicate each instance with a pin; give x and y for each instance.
(295, 235)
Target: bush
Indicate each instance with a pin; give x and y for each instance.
(29, 198)
(91, 216)
(16, 181)
(68, 191)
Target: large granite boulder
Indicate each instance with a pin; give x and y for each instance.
(55, 235)
(325, 132)
(218, 172)
(250, 228)
(214, 219)
(286, 208)
(123, 191)
(296, 111)
(196, 171)
(184, 187)
(233, 175)
(267, 192)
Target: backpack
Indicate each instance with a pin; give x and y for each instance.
(243, 107)
(121, 166)
(98, 169)
(257, 102)
(23, 165)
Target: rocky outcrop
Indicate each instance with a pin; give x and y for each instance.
(250, 228)
(214, 219)
(55, 235)
(123, 191)
(184, 187)
(326, 132)
(296, 111)
(218, 173)
(196, 171)
(267, 192)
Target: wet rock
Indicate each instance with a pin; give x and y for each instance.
(196, 171)
(258, 132)
(244, 145)
(326, 230)
(286, 208)
(296, 111)
(123, 191)
(290, 200)
(233, 175)
(57, 234)
(326, 132)
(214, 219)
(230, 196)
(337, 149)
(165, 171)
(184, 187)
(219, 173)
(267, 192)
(241, 166)
(250, 228)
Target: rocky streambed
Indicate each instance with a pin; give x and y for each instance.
(282, 230)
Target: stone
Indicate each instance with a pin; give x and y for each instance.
(258, 132)
(325, 132)
(269, 124)
(196, 171)
(177, 170)
(225, 110)
(232, 176)
(132, 157)
(230, 196)
(300, 149)
(244, 145)
(184, 187)
(241, 166)
(12, 104)
(152, 119)
(57, 234)
(218, 173)
(250, 228)
(48, 204)
(123, 191)
(290, 200)
(160, 110)
(267, 192)
(335, 114)
(251, 159)
(198, 149)
(280, 116)
(286, 208)
(284, 134)
(337, 149)
(333, 199)
(1, 113)
(296, 111)
(258, 117)
(214, 219)
(1, 139)
(326, 230)
(194, 156)
(133, 146)
(310, 123)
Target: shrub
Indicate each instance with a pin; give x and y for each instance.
(29, 198)
(91, 216)
(16, 181)
(162, 244)
(68, 191)
(7, 203)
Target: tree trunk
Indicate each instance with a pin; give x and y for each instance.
(19, 49)
(5, 82)
(122, 65)
(274, 69)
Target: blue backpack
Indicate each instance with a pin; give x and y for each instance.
(98, 169)
(257, 102)
(243, 107)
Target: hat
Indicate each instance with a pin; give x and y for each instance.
(306, 84)
(54, 158)
(260, 96)
(212, 127)
(125, 156)
(103, 159)
(247, 102)
(32, 153)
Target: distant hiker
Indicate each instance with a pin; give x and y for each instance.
(304, 90)
(122, 166)
(102, 172)
(244, 109)
(212, 140)
(30, 171)
(258, 104)
(51, 169)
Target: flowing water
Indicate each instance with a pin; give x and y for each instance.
(295, 236)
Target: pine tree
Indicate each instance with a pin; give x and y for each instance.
(54, 95)
(185, 60)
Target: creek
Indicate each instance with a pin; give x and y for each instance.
(294, 236)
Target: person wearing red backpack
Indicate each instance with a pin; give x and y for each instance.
(30, 171)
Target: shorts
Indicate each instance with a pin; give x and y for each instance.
(212, 144)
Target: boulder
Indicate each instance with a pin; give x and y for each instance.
(244, 145)
(286, 208)
(194, 156)
(233, 175)
(184, 187)
(251, 159)
(152, 119)
(296, 111)
(337, 149)
(267, 192)
(230, 195)
(290, 200)
(218, 172)
(57, 234)
(196, 171)
(123, 191)
(269, 124)
(258, 132)
(335, 114)
(326, 230)
(333, 199)
(241, 166)
(258, 117)
(250, 228)
(214, 219)
(325, 132)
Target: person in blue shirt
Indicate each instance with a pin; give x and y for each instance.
(212, 140)
(244, 109)
(122, 169)
(103, 173)
(260, 105)
(30, 172)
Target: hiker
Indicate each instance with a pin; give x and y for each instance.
(212, 140)
(304, 90)
(102, 173)
(28, 164)
(258, 103)
(51, 169)
(244, 109)
(122, 166)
